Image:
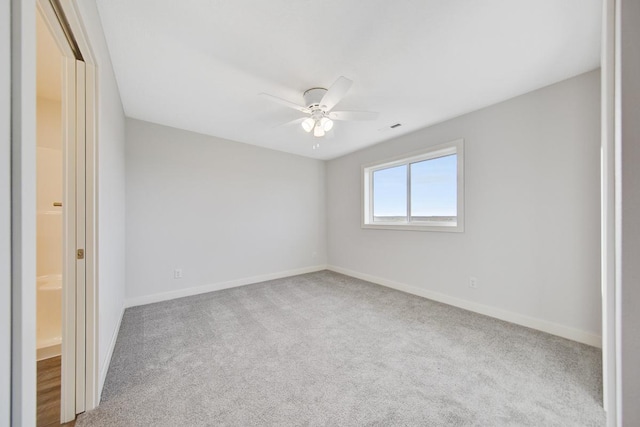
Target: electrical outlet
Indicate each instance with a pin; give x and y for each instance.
(473, 282)
(177, 273)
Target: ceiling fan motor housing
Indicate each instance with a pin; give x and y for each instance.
(313, 96)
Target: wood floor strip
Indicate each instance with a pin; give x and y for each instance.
(49, 374)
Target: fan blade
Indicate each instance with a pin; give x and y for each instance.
(336, 92)
(286, 103)
(353, 115)
(292, 122)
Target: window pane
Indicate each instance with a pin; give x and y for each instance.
(434, 193)
(390, 194)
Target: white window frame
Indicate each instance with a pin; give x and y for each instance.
(441, 150)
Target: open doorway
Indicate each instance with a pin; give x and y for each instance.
(49, 223)
(65, 217)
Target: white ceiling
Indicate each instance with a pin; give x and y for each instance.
(200, 65)
(48, 63)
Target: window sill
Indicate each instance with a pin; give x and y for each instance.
(450, 228)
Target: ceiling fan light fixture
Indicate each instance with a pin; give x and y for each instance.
(326, 123)
(308, 124)
(318, 131)
(318, 106)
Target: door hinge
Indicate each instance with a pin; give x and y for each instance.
(80, 254)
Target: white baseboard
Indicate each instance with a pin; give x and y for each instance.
(112, 345)
(165, 296)
(509, 316)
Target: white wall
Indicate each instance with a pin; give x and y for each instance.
(5, 213)
(49, 123)
(111, 190)
(222, 211)
(628, 142)
(49, 184)
(532, 225)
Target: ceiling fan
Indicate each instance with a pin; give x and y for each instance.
(318, 105)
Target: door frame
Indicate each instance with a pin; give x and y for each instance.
(22, 23)
(610, 212)
(607, 205)
(79, 379)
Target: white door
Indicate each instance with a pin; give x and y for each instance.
(73, 324)
(80, 220)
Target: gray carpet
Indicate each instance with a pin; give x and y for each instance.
(327, 349)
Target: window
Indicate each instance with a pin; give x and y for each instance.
(422, 191)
